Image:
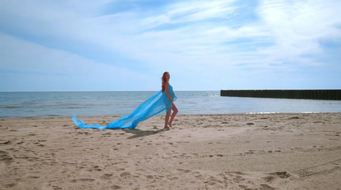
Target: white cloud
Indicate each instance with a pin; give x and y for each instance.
(193, 46)
(72, 71)
(298, 27)
(190, 11)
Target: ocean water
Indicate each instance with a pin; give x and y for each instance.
(26, 104)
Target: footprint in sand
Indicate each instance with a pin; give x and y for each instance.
(83, 180)
(108, 134)
(269, 178)
(318, 122)
(107, 176)
(173, 178)
(20, 142)
(97, 168)
(5, 142)
(9, 185)
(86, 179)
(266, 187)
(243, 187)
(5, 157)
(149, 177)
(184, 170)
(115, 187)
(238, 179)
(281, 174)
(125, 174)
(56, 187)
(33, 177)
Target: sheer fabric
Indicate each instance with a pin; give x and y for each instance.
(154, 105)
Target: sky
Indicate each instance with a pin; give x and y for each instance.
(108, 45)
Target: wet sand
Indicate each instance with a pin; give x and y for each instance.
(239, 151)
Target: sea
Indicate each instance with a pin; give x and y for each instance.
(31, 104)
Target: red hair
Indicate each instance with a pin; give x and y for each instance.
(164, 80)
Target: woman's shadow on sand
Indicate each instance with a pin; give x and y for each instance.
(142, 133)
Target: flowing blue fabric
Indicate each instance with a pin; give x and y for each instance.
(154, 105)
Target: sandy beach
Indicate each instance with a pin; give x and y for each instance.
(239, 151)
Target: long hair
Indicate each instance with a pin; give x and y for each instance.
(164, 80)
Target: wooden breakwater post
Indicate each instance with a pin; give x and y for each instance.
(318, 94)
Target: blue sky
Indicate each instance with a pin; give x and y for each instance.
(72, 45)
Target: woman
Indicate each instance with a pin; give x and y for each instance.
(157, 103)
(172, 110)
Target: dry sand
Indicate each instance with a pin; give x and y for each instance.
(243, 151)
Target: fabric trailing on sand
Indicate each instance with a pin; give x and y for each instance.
(154, 105)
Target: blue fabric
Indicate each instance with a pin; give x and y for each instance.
(154, 105)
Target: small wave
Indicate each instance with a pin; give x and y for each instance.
(74, 107)
(9, 106)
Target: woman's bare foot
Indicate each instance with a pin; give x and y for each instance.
(166, 127)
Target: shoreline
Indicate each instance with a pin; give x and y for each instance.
(161, 115)
(209, 151)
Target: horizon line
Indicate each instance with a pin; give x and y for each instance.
(175, 90)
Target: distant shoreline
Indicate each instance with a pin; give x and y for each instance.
(161, 115)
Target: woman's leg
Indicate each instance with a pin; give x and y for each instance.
(167, 118)
(175, 111)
